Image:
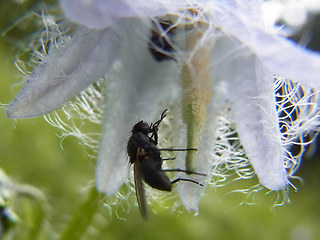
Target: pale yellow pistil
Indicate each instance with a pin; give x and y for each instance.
(196, 82)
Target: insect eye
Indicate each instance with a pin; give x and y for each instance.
(142, 127)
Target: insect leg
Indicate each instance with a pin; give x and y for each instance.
(186, 180)
(163, 115)
(182, 170)
(165, 159)
(177, 149)
(154, 126)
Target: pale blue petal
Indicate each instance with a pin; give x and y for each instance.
(254, 113)
(278, 54)
(138, 88)
(253, 110)
(190, 193)
(94, 14)
(67, 70)
(101, 13)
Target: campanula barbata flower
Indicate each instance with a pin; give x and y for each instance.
(236, 88)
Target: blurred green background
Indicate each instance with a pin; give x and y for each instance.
(30, 153)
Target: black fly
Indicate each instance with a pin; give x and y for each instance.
(145, 155)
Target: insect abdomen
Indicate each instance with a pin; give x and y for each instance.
(156, 178)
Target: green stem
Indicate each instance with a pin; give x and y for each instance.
(82, 217)
(38, 216)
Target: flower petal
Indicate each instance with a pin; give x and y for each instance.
(68, 69)
(101, 14)
(135, 90)
(253, 110)
(257, 124)
(278, 54)
(94, 14)
(190, 193)
(112, 164)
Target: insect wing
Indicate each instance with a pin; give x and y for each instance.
(138, 182)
